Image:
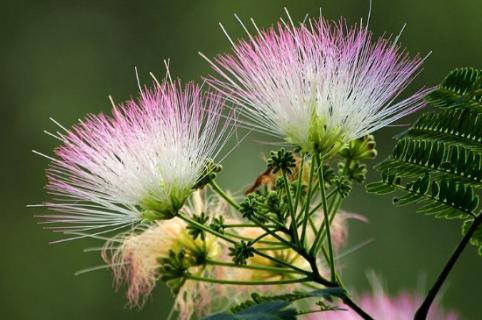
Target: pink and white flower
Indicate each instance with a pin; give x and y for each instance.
(317, 85)
(140, 163)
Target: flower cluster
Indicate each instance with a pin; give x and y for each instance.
(141, 163)
(136, 259)
(317, 85)
(320, 86)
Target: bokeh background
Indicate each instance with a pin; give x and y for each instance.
(62, 59)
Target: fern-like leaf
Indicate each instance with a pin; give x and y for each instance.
(437, 163)
(277, 307)
(415, 157)
(461, 88)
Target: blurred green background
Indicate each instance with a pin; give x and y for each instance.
(63, 58)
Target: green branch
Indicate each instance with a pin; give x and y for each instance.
(300, 182)
(250, 266)
(220, 191)
(247, 283)
(307, 205)
(294, 231)
(315, 245)
(422, 312)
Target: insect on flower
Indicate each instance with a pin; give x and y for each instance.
(141, 163)
(317, 85)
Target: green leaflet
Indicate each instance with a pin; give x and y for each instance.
(444, 198)
(461, 88)
(270, 310)
(437, 163)
(276, 307)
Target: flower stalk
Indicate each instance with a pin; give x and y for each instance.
(247, 283)
(317, 242)
(223, 194)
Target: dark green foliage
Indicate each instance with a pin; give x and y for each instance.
(327, 294)
(271, 310)
(241, 252)
(174, 268)
(328, 174)
(342, 185)
(276, 307)
(217, 224)
(195, 231)
(258, 207)
(273, 202)
(443, 198)
(251, 205)
(452, 126)
(281, 160)
(437, 163)
(461, 88)
(415, 157)
(259, 299)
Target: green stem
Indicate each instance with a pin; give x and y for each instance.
(314, 248)
(222, 236)
(308, 201)
(237, 236)
(277, 225)
(272, 233)
(325, 254)
(422, 312)
(346, 300)
(244, 225)
(249, 266)
(319, 205)
(294, 231)
(247, 283)
(333, 210)
(273, 248)
(205, 228)
(257, 239)
(220, 191)
(280, 262)
(300, 182)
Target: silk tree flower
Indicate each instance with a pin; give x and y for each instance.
(140, 163)
(317, 85)
(134, 259)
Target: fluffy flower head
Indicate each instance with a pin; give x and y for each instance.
(141, 162)
(317, 85)
(135, 258)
